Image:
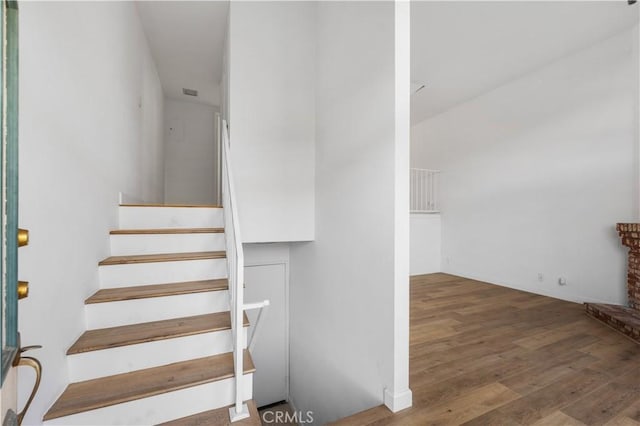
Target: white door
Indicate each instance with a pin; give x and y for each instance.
(270, 354)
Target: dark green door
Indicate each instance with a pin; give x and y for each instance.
(9, 169)
(10, 236)
(9, 200)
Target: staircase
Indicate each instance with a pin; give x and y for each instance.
(159, 347)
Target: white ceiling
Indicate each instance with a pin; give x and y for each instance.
(463, 49)
(187, 42)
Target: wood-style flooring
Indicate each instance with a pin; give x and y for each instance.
(218, 417)
(483, 355)
(271, 415)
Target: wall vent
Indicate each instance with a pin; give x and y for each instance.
(190, 92)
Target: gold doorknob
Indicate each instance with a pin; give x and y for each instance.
(23, 237)
(23, 289)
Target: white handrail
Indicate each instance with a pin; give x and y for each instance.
(262, 306)
(235, 262)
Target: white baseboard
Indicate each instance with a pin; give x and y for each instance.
(398, 401)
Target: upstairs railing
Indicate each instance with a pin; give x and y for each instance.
(425, 191)
(235, 275)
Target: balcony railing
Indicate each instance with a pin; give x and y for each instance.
(425, 191)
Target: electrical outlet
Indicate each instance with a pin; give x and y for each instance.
(540, 276)
(562, 281)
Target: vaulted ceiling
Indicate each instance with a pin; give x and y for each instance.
(461, 50)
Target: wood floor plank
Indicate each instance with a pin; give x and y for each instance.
(219, 417)
(106, 391)
(633, 411)
(112, 337)
(164, 257)
(546, 337)
(630, 416)
(378, 414)
(553, 360)
(622, 421)
(458, 410)
(541, 374)
(167, 231)
(627, 361)
(543, 402)
(558, 418)
(449, 412)
(490, 369)
(156, 290)
(612, 398)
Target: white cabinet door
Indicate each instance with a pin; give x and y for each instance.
(270, 355)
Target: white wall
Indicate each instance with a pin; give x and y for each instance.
(90, 108)
(271, 113)
(267, 277)
(151, 149)
(425, 244)
(342, 284)
(224, 78)
(191, 156)
(536, 173)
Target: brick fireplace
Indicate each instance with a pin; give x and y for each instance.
(625, 319)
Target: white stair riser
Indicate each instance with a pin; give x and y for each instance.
(170, 217)
(107, 362)
(161, 272)
(162, 408)
(133, 244)
(113, 314)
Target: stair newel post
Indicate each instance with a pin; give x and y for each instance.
(239, 340)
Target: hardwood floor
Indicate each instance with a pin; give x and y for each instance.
(271, 415)
(488, 355)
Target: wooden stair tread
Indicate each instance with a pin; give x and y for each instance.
(156, 290)
(218, 417)
(163, 257)
(112, 337)
(205, 206)
(167, 231)
(111, 390)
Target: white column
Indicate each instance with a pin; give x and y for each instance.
(398, 396)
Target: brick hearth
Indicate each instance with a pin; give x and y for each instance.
(621, 318)
(630, 235)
